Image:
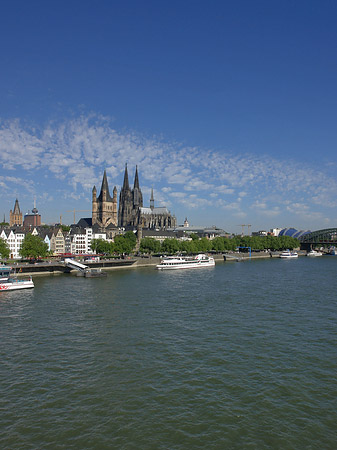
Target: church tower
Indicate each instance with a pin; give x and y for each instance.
(15, 216)
(137, 193)
(104, 207)
(129, 201)
(125, 202)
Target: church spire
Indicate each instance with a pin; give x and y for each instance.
(104, 194)
(126, 178)
(16, 207)
(105, 186)
(136, 183)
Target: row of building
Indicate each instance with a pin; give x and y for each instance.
(77, 241)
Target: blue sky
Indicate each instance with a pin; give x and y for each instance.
(228, 108)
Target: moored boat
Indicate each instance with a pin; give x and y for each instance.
(186, 262)
(314, 253)
(288, 255)
(9, 282)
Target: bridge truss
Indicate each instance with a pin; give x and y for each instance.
(325, 237)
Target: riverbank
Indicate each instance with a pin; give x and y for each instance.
(59, 267)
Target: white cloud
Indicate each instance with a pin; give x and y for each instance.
(75, 153)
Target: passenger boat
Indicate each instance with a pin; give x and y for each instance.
(288, 255)
(314, 253)
(186, 262)
(9, 282)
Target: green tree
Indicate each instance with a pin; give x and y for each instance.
(218, 244)
(101, 246)
(125, 243)
(188, 246)
(4, 249)
(170, 246)
(33, 247)
(203, 245)
(149, 245)
(194, 237)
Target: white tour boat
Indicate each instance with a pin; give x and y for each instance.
(8, 282)
(186, 262)
(288, 255)
(314, 253)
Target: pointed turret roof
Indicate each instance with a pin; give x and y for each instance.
(126, 178)
(105, 187)
(136, 183)
(16, 207)
(105, 182)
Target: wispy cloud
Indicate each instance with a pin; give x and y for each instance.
(77, 151)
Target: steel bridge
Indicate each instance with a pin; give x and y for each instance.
(322, 238)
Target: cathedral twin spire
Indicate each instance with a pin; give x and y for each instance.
(129, 201)
(126, 179)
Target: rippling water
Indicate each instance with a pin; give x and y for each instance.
(240, 356)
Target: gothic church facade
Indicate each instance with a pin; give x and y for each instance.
(131, 213)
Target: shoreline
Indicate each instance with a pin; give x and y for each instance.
(58, 268)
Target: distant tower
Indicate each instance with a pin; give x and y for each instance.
(152, 200)
(15, 216)
(104, 207)
(33, 219)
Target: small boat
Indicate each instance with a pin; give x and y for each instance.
(9, 282)
(314, 253)
(288, 255)
(333, 251)
(186, 262)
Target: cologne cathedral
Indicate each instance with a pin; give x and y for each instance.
(131, 213)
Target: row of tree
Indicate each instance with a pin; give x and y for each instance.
(123, 243)
(34, 247)
(126, 244)
(219, 244)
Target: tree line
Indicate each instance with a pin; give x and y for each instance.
(35, 247)
(126, 244)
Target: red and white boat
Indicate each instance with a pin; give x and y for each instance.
(9, 282)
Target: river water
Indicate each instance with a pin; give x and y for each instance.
(240, 356)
